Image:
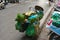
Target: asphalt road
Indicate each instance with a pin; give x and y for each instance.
(7, 23)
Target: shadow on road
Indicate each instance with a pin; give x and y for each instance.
(28, 38)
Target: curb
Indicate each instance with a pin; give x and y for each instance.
(45, 17)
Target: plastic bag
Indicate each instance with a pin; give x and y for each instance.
(30, 30)
(56, 19)
(18, 26)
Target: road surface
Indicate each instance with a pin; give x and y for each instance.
(8, 15)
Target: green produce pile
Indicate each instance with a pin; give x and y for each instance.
(56, 19)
